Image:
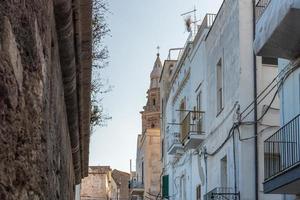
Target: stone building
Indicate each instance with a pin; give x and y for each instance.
(45, 76)
(122, 180)
(148, 164)
(99, 184)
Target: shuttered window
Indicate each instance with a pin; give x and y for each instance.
(165, 187)
(198, 192)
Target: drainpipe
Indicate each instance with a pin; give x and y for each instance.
(255, 106)
(234, 162)
(205, 161)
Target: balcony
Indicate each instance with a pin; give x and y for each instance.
(277, 28)
(192, 134)
(207, 22)
(174, 144)
(136, 188)
(222, 193)
(282, 160)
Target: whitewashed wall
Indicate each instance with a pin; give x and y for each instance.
(231, 39)
(289, 94)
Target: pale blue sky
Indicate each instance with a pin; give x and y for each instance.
(138, 26)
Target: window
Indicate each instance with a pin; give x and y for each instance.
(219, 86)
(198, 192)
(199, 108)
(162, 148)
(152, 125)
(224, 175)
(182, 110)
(182, 188)
(183, 122)
(171, 70)
(142, 172)
(153, 102)
(269, 61)
(162, 109)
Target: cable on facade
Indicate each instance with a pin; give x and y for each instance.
(284, 73)
(267, 87)
(224, 142)
(274, 97)
(260, 94)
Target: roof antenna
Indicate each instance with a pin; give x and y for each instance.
(189, 21)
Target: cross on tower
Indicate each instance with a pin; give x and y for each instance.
(158, 48)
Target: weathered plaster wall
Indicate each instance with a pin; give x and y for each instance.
(149, 153)
(122, 179)
(96, 185)
(102, 183)
(35, 155)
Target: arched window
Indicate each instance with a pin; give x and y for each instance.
(152, 125)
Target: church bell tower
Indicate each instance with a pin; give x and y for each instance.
(151, 112)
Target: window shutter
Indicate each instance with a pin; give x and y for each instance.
(165, 185)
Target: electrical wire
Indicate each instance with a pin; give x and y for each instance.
(274, 97)
(236, 125)
(260, 94)
(269, 106)
(224, 142)
(285, 70)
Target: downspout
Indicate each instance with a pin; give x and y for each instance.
(255, 105)
(205, 162)
(234, 162)
(65, 31)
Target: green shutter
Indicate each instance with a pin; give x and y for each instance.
(165, 187)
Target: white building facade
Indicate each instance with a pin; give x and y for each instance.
(277, 35)
(213, 135)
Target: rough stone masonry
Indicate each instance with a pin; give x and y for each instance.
(45, 75)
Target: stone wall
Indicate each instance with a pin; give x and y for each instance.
(122, 180)
(97, 185)
(35, 151)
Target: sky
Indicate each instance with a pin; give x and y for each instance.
(137, 28)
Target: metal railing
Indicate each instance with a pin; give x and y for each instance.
(222, 193)
(260, 8)
(206, 23)
(282, 149)
(192, 123)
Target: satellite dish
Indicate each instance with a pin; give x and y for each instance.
(200, 170)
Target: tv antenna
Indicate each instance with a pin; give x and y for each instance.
(188, 21)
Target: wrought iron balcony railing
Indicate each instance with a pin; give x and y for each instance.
(191, 124)
(282, 149)
(222, 193)
(260, 8)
